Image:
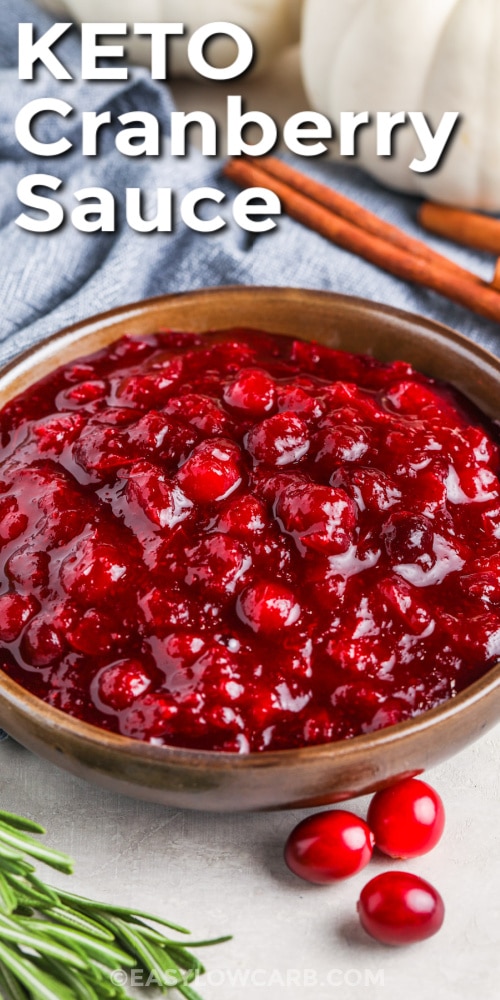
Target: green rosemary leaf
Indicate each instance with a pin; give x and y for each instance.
(70, 918)
(10, 987)
(101, 951)
(188, 992)
(208, 942)
(149, 932)
(166, 959)
(23, 842)
(43, 889)
(8, 898)
(41, 985)
(20, 822)
(18, 933)
(31, 901)
(144, 951)
(155, 935)
(7, 852)
(119, 911)
(26, 894)
(55, 945)
(82, 988)
(185, 959)
(36, 925)
(15, 865)
(104, 986)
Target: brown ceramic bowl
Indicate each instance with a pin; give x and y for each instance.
(285, 778)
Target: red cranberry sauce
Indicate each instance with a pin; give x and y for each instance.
(242, 541)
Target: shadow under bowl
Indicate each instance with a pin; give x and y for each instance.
(304, 776)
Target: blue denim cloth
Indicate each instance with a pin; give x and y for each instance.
(48, 281)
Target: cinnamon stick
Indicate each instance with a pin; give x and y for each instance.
(463, 289)
(471, 229)
(496, 277)
(348, 209)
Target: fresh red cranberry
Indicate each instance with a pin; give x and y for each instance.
(212, 472)
(409, 538)
(428, 492)
(252, 392)
(87, 392)
(93, 633)
(407, 819)
(412, 397)
(162, 502)
(150, 716)
(28, 568)
(320, 517)
(484, 580)
(56, 432)
(15, 611)
(217, 565)
(12, 521)
(299, 399)
(359, 699)
(245, 517)
(98, 572)
(481, 633)
(121, 683)
(328, 846)
(41, 645)
(185, 647)
(159, 436)
(390, 713)
(65, 617)
(116, 416)
(399, 908)
(318, 728)
(339, 443)
(100, 450)
(163, 610)
(483, 448)
(279, 440)
(268, 607)
(202, 412)
(151, 390)
(372, 489)
(268, 485)
(406, 602)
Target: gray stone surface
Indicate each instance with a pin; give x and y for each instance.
(225, 873)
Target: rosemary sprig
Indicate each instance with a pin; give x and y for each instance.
(55, 945)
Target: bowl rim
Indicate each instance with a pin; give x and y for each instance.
(288, 293)
(84, 732)
(20, 699)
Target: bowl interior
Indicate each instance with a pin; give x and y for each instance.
(290, 777)
(344, 322)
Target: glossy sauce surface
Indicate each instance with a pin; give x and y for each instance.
(240, 541)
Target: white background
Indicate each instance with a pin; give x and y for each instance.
(225, 873)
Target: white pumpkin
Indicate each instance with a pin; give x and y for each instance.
(272, 24)
(417, 55)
